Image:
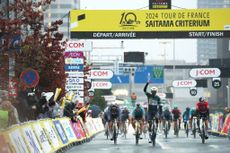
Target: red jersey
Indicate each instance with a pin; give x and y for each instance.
(202, 107)
(176, 112)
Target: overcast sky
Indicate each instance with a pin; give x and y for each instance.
(184, 48)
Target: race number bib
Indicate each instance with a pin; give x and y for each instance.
(153, 102)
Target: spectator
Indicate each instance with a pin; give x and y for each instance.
(12, 112)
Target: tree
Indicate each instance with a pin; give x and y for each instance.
(99, 100)
(40, 47)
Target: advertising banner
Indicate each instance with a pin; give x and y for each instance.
(31, 139)
(73, 54)
(74, 61)
(42, 137)
(68, 129)
(158, 74)
(60, 131)
(17, 141)
(136, 24)
(79, 132)
(52, 135)
(74, 67)
(79, 46)
(4, 147)
(159, 4)
(226, 126)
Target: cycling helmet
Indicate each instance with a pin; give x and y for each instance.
(175, 107)
(201, 99)
(187, 109)
(154, 89)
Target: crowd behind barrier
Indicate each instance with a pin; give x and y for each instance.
(48, 135)
(220, 124)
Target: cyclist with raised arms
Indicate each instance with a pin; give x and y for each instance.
(154, 102)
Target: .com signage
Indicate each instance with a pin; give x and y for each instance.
(78, 46)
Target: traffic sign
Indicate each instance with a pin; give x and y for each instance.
(101, 74)
(205, 72)
(29, 78)
(193, 91)
(216, 83)
(184, 83)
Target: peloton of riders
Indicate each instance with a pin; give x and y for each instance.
(156, 110)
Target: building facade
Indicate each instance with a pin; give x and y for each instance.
(207, 48)
(59, 9)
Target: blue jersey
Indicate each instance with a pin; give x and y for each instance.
(186, 115)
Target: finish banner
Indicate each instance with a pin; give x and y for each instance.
(135, 24)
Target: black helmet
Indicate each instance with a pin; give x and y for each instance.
(187, 109)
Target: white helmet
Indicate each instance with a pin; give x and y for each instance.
(154, 89)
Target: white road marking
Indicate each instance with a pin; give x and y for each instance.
(162, 145)
(214, 146)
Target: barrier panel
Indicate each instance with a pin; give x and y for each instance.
(65, 122)
(78, 130)
(226, 125)
(46, 136)
(52, 135)
(42, 137)
(61, 132)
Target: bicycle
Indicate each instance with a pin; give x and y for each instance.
(202, 132)
(106, 131)
(137, 131)
(166, 128)
(115, 131)
(176, 128)
(153, 132)
(124, 129)
(194, 128)
(186, 128)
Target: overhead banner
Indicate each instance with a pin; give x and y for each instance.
(135, 24)
(159, 4)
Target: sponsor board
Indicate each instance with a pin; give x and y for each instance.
(79, 46)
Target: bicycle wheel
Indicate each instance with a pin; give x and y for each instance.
(166, 130)
(107, 133)
(186, 126)
(153, 136)
(115, 135)
(125, 130)
(203, 134)
(137, 135)
(194, 129)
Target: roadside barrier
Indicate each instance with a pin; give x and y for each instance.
(48, 136)
(219, 126)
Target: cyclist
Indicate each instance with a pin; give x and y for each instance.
(176, 116)
(167, 116)
(186, 116)
(113, 113)
(202, 108)
(154, 102)
(138, 114)
(124, 117)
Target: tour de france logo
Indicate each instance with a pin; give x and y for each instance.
(129, 20)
